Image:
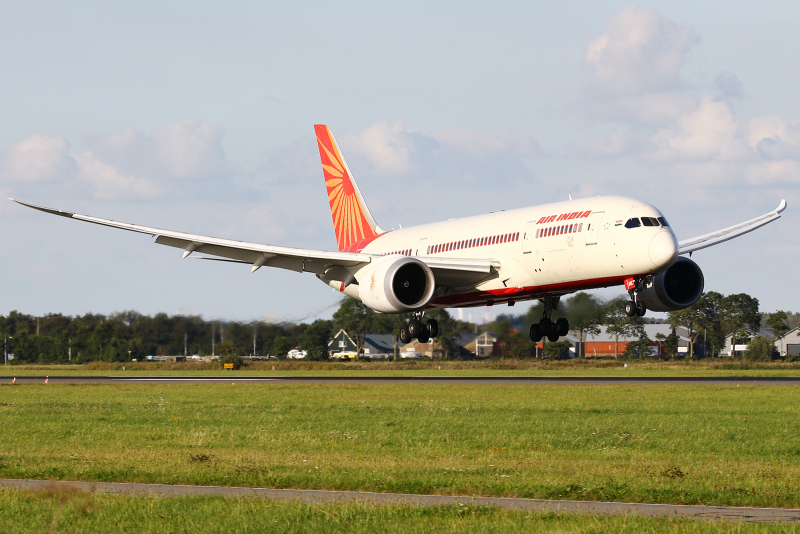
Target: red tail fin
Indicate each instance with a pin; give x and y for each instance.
(352, 220)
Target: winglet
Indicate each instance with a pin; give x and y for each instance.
(46, 210)
(352, 220)
(687, 246)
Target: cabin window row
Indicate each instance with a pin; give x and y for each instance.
(558, 230)
(471, 243)
(406, 252)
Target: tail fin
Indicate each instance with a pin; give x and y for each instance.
(352, 220)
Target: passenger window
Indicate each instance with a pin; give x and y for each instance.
(663, 221)
(633, 223)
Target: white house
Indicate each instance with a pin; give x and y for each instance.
(789, 345)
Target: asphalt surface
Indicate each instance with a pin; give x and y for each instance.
(727, 513)
(478, 380)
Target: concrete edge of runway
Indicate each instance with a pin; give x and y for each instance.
(726, 513)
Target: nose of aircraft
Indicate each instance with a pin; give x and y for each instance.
(663, 249)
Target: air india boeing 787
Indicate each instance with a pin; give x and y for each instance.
(541, 252)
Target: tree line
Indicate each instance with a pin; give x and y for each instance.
(56, 338)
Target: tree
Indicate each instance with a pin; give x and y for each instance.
(777, 322)
(619, 324)
(281, 345)
(691, 318)
(314, 340)
(585, 314)
(356, 319)
(760, 349)
(558, 350)
(741, 313)
(669, 344)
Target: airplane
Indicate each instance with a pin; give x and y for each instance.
(539, 252)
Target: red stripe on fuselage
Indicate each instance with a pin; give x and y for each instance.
(512, 294)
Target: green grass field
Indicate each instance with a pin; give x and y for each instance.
(672, 444)
(24, 513)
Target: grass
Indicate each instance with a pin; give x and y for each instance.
(722, 445)
(22, 513)
(493, 367)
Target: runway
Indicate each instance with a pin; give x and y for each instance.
(727, 513)
(472, 380)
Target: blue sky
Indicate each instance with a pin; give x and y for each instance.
(198, 116)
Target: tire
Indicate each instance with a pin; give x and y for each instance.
(545, 325)
(404, 335)
(423, 337)
(433, 328)
(553, 336)
(562, 326)
(641, 309)
(414, 328)
(630, 308)
(536, 333)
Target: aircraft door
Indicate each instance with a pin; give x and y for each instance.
(593, 226)
(422, 247)
(527, 238)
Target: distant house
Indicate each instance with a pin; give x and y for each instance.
(789, 345)
(342, 346)
(471, 345)
(379, 346)
(603, 343)
(415, 349)
(740, 348)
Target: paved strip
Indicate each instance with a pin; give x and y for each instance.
(727, 513)
(483, 380)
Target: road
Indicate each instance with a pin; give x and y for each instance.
(477, 380)
(728, 513)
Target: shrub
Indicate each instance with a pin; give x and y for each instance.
(558, 350)
(760, 349)
(231, 358)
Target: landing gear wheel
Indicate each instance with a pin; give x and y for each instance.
(404, 335)
(641, 309)
(562, 327)
(536, 333)
(414, 328)
(433, 328)
(630, 308)
(423, 337)
(553, 336)
(546, 326)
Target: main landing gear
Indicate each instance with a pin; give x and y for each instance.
(415, 329)
(635, 306)
(546, 327)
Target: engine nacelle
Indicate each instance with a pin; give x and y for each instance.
(674, 289)
(396, 284)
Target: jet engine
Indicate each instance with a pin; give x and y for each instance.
(396, 284)
(674, 289)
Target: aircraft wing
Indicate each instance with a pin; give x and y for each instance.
(257, 255)
(687, 246)
(453, 272)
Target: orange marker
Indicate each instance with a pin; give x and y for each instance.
(47, 380)
(14, 381)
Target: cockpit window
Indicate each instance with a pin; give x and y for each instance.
(649, 221)
(633, 223)
(663, 221)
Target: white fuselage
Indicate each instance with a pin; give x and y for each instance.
(549, 249)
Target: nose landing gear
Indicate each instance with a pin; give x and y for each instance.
(635, 306)
(546, 327)
(415, 329)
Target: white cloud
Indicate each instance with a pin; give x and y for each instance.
(107, 182)
(126, 163)
(640, 51)
(389, 148)
(710, 133)
(774, 137)
(38, 158)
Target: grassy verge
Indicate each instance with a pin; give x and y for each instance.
(673, 444)
(22, 513)
(506, 367)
